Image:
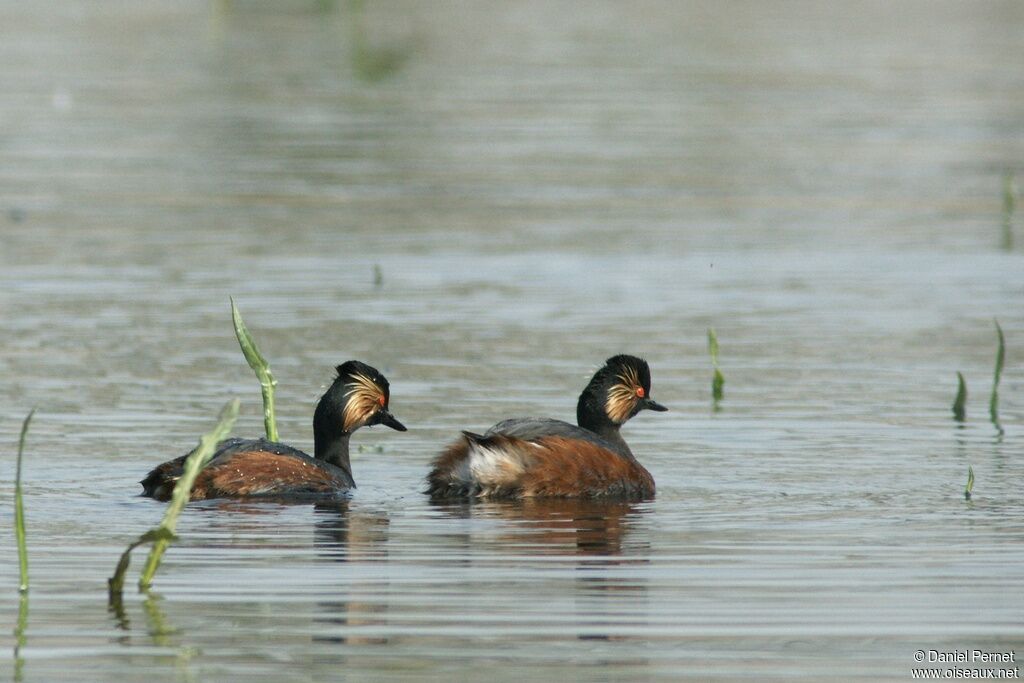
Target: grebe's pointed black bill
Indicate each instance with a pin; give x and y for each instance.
(652, 405)
(389, 420)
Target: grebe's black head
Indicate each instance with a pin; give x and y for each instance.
(617, 392)
(358, 398)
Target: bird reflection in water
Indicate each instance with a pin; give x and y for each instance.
(592, 536)
(555, 526)
(351, 536)
(339, 535)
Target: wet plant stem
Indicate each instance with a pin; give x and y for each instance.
(19, 636)
(261, 367)
(959, 404)
(19, 509)
(993, 403)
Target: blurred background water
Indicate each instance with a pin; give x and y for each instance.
(538, 186)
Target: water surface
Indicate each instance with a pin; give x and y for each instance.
(541, 187)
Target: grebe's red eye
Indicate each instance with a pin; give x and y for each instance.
(640, 392)
(380, 400)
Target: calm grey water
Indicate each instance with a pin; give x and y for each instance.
(541, 185)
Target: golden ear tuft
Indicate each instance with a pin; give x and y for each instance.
(363, 398)
(623, 396)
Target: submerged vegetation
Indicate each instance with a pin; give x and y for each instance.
(261, 367)
(161, 535)
(970, 483)
(718, 380)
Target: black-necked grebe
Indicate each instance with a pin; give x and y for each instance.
(240, 468)
(539, 457)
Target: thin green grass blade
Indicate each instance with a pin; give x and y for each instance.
(993, 402)
(193, 464)
(19, 509)
(959, 404)
(970, 483)
(261, 367)
(718, 380)
(19, 532)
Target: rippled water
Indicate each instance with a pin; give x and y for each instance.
(541, 187)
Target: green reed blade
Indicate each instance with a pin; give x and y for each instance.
(261, 367)
(959, 410)
(19, 508)
(970, 482)
(19, 533)
(993, 403)
(193, 464)
(718, 380)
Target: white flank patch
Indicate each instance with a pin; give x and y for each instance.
(486, 466)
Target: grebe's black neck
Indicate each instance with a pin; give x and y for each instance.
(591, 415)
(333, 450)
(613, 437)
(330, 440)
